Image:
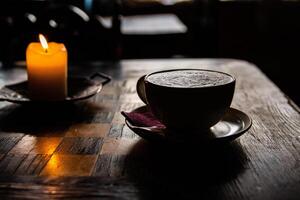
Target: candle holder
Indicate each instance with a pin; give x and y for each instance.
(79, 88)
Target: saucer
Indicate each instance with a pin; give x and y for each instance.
(79, 88)
(232, 125)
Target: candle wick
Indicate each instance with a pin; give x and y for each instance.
(46, 50)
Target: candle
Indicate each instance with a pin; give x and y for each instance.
(47, 70)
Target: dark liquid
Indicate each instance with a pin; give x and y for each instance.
(189, 78)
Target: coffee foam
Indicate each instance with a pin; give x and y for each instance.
(189, 78)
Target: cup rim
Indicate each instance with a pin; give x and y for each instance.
(184, 69)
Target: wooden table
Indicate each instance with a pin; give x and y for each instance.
(85, 150)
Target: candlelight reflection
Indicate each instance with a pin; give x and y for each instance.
(36, 145)
(53, 164)
(69, 165)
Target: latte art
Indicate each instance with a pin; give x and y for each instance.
(189, 78)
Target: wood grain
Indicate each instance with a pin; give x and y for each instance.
(36, 145)
(69, 165)
(86, 151)
(88, 130)
(79, 145)
(8, 141)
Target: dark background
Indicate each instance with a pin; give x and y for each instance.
(264, 32)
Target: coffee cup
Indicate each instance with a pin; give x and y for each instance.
(187, 99)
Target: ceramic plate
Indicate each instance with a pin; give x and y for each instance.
(233, 125)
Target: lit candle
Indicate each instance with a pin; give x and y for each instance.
(47, 70)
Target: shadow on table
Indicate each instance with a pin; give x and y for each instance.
(185, 172)
(47, 120)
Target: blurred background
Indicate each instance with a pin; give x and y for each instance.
(264, 32)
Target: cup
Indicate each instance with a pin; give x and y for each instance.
(187, 99)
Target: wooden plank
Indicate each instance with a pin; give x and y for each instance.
(32, 164)
(23, 164)
(109, 165)
(67, 188)
(101, 117)
(121, 131)
(8, 141)
(69, 165)
(88, 130)
(79, 145)
(10, 163)
(118, 146)
(36, 145)
(116, 130)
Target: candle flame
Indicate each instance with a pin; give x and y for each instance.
(43, 42)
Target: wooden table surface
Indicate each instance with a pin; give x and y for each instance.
(85, 150)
